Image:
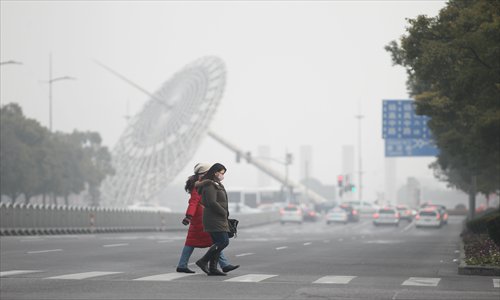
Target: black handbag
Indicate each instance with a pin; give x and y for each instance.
(233, 227)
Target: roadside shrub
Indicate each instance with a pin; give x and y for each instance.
(478, 224)
(493, 226)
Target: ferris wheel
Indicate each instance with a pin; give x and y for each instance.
(163, 137)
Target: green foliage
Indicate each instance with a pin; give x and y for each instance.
(453, 68)
(480, 250)
(34, 161)
(478, 224)
(493, 226)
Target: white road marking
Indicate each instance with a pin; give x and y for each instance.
(164, 241)
(407, 227)
(44, 251)
(422, 281)
(335, 279)
(244, 254)
(281, 248)
(496, 282)
(165, 277)
(115, 245)
(32, 240)
(84, 275)
(250, 278)
(307, 243)
(17, 272)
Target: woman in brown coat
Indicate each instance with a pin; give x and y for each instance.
(215, 217)
(196, 236)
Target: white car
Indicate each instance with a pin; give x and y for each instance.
(291, 213)
(239, 208)
(337, 214)
(428, 217)
(386, 216)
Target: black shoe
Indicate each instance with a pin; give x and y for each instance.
(203, 265)
(216, 272)
(229, 268)
(184, 270)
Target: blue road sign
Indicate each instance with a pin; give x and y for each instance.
(399, 121)
(410, 147)
(405, 133)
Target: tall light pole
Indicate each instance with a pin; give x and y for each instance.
(360, 165)
(50, 81)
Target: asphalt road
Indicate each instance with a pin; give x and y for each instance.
(291, 261)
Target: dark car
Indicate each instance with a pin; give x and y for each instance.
(352, 213)
(405, 212)
(309, 215)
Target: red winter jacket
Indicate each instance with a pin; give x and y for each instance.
(196, 237)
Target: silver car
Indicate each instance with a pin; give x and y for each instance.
(428, 217)
(337, 214)
(386, 216)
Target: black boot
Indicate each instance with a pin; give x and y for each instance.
(203, 262)
(229, 268)
(213, 271)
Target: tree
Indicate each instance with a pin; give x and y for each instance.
(20, 146)
(95, 163)
(453, 68)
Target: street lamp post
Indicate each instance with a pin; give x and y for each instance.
(50, 81)
(360, 167)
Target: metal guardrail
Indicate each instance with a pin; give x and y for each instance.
(21, 219)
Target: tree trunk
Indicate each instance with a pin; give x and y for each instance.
(472, 196)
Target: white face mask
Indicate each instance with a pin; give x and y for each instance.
(220, 176)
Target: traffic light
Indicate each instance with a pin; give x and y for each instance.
(238, 157)
(353, 188)
(340, 180)
(289, 158)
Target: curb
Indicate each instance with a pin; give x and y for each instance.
(465, 269)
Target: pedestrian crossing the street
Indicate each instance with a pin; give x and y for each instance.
(424, 282)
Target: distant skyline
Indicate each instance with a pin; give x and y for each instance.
(297, 73)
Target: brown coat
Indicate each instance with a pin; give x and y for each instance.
(214, 200)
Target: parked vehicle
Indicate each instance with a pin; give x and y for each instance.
(386, 216)
(291, 213)
(428, 217)
(337, 215)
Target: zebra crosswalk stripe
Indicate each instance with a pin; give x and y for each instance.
(496, 282)
(17, 272)
(422, 281)
(84, 275)
(335, 279)
(165, 277)
(250, 278)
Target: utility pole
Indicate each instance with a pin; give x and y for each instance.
(360, 163)
(50, 81)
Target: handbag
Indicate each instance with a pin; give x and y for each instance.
(233, 227)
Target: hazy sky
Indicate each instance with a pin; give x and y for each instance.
(296, 72)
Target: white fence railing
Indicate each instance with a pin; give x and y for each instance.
(20, 219)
